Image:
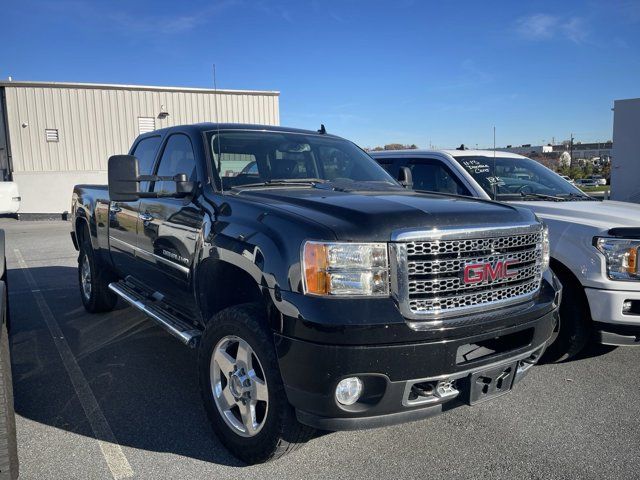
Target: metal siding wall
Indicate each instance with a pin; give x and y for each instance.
(94, 123)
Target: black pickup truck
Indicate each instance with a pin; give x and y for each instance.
(319, 292)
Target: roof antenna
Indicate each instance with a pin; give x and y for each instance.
(495, 175)
(322, 131)
(461, 147)
(215, 98)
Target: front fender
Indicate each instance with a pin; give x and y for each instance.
(572, 245)
(263, 242)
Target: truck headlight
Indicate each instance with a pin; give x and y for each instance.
(622, 257)
(346, 269)
(546, 249)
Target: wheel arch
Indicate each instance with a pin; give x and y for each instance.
(220, 284)
(81, 228)
(564, 272)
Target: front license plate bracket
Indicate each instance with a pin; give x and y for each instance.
(486, 384)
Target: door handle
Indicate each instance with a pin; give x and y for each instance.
(146, 217)
(114, 208)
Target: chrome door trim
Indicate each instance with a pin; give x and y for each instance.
(139, 252)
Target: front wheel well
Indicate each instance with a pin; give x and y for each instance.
(561, 270)
(221, 285)
(568, 280)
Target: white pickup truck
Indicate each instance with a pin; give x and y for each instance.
(595, 245)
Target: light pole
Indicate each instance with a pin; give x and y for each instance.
(571, 152)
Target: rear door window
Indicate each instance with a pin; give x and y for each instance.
(177, 157)
(145, 151)
(434, 176)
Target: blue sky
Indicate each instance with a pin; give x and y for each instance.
(422, 72)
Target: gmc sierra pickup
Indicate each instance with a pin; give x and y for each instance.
(594, 245)
(318, 291)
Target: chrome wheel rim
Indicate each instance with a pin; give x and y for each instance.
(239, 386)
(85, 277)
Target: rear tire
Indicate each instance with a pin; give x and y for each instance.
(574, 327)
(94, 280)
(276, 430)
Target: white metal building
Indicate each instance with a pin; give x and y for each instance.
(625, 166)
(55, 135)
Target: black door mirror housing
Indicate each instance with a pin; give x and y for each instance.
(183, 186)
(405, 178)
(123, 178)
(124, 181)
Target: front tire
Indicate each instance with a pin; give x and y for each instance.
(94, 281)
(242, 389)
(574, 328)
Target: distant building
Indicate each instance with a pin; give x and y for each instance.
(527, 150)
(625, 167)
(54, 135)
(595, 152)
(587, 151)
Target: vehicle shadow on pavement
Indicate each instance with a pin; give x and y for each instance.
(593, 350)
(144, 380)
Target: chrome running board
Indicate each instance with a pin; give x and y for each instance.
(184, 332)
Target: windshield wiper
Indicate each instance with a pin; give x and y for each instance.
(542, 196)
(579, 196)
(283, 181)
(297, 180)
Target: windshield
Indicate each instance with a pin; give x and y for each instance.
(516, 178)
(259, 157)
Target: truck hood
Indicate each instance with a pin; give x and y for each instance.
(599, 215)
(374, 215)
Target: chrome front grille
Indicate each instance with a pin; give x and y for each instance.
(431, 284)
(441, 247)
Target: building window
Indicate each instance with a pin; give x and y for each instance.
(51, 134)
(146, 125)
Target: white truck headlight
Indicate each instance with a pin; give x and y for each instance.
(546, 249)
(622, 257)
(345, 269)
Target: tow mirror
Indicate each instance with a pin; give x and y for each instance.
(124, 181)
(405, 178)
(123, 178)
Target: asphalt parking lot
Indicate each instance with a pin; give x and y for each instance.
(113, 396)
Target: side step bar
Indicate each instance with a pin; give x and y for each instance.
(172, 324)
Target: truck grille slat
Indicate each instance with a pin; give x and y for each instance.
(473, 299)
(433, 284)
(449, 284)
(436, 267)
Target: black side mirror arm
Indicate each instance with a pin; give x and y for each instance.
(183, 186)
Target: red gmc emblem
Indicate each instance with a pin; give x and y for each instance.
(480, 272)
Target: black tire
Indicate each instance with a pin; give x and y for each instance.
(5, 279)
(281, 432)
(574, 329)
(8, 446)
(98, 298)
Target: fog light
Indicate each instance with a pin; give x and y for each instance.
(626, 306)
(349, 390)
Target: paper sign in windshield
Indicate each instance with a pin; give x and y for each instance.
(475, 167)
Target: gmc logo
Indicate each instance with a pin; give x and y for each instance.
(480, 272)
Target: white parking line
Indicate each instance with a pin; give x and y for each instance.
(111, 450)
